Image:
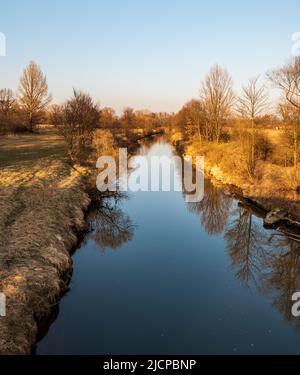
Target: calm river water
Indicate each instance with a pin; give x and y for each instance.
(157, 275)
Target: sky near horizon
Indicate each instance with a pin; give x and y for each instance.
(144, 53)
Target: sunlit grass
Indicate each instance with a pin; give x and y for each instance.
(28, 149)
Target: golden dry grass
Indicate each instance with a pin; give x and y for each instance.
(26, 149)
(42, 207)
(273, 185)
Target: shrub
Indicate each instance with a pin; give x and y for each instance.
(76, 121)
(263, 147)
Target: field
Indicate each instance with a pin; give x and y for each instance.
(27, 149)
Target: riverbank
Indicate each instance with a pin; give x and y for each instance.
(42, 204)
(274, 187)
(42, 211)
(43, 201)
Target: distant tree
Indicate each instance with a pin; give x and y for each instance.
(9, 112)
(290, 117)
(251, 104)
(7, 101)
(164, 119)
(146, 119)
(55, 114)
(128, 117)
(128, 120)
(108, 118)
(33, 94)
(287, 79)
(217, 95)
(196, 119)
(77, 120)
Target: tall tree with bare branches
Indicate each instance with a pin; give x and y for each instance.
(287, 79)
(33, 94)
(217, 94)
(252, 103)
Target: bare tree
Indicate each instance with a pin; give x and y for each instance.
(33, 94)
(251, 104)
(108, 118)
(9, 119)
(7, 101)
(287, 79)
(128, 121)
(291, 118)
(77, 120)
(217, 94)
(128, 117)
(195, 119)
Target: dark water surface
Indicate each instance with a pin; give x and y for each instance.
(157, 275)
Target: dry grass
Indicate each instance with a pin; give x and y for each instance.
(273, 185)
(26, 149)
(41, 210)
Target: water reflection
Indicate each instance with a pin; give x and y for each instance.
(178, 290)
(281, 277)
(246, 245)
(213, 210)
(110, 226)
(266, 260)
(270, 259)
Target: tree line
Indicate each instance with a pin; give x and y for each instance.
(205, 119)
(218, 110)
(76, 120)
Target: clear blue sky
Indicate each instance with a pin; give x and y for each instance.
(144, 53)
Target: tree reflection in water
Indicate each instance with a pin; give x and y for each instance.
(246, 242)
(213, 210)
(282, 274)
(111, 227)
(267, 260)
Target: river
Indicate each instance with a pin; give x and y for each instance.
(157, 275)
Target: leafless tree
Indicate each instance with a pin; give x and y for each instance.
(251, 104)
(253, 101)
(128, 117)
(108, 118)
(7, 101)
(77, 120)
(9, 114)
(287, 79)
(290, 116)
(217, 94)
(33, 94)
(194, 119)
